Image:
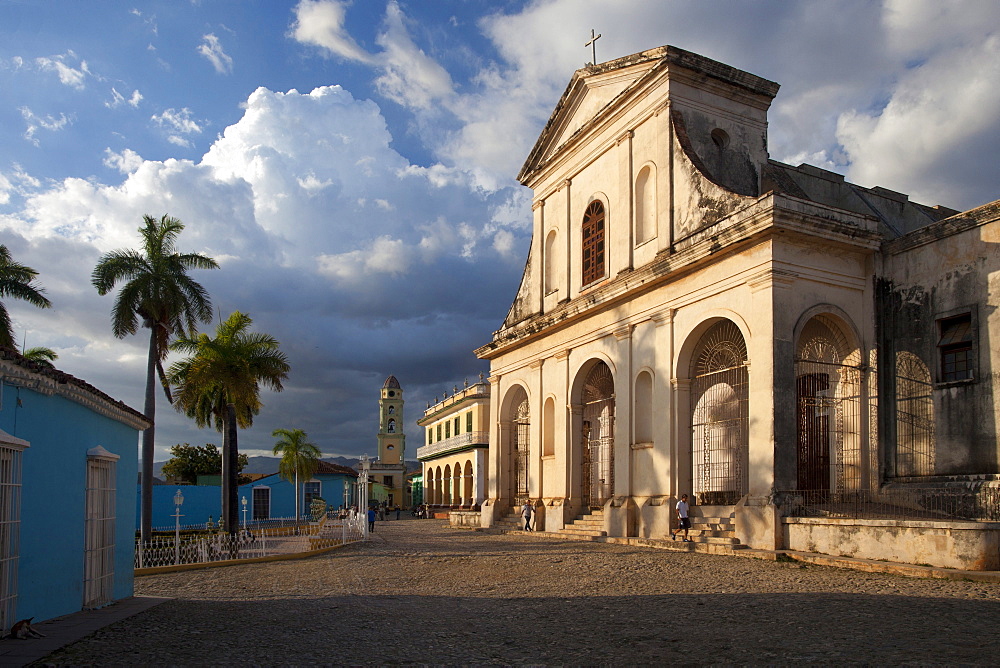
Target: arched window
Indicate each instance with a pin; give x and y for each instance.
(645, 205)
(392, 409)
(593, 243)
(392, 427)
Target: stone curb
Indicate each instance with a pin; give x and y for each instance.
(866, 565)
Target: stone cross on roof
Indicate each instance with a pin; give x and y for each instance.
(593, 45)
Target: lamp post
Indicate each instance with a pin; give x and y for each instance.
(244, 502)
(178, 502)
(363, 493)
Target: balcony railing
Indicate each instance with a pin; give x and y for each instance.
(453, 443)
(476, 390)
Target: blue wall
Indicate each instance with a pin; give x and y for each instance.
(202, 501)
(53, 498)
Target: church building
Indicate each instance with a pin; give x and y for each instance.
(389, 469)
(695, 317)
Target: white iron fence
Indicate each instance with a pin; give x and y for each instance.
(249, 543)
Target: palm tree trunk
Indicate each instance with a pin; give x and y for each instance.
(148, 440)
(297, 513)
(230, 476)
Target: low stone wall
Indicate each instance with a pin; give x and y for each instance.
(971, 546)
(466, 519)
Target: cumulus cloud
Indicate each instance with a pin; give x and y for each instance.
(941, 120)
(177, 124)
(331, 256)
(68, 75)
(125, 162)
(212, 50)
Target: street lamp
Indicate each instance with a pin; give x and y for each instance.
(244, 502)
(178, 502)
(363, 493)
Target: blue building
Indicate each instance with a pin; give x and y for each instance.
(267, 498)
(66, 533)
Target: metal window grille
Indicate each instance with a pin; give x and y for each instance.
(829, 453)
(593, 243)
(720, 420)
(99, 548)
(10, 530)
(956, 348)
(519, 450)
(915, 439)
(261, 503)
(598, 436)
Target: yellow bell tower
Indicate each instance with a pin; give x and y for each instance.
(390, 468)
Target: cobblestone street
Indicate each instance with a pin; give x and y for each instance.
(421, 592)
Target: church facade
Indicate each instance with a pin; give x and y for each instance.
(695, 317)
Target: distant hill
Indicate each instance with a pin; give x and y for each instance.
(270, 465)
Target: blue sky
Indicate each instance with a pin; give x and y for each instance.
(351, 165)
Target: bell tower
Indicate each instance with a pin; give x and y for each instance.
(390, 467)
(391, 439)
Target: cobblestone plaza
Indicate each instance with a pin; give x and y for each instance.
(477, 598)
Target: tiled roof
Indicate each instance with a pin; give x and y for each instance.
(63, 378)
(335, 469)
(391, 382)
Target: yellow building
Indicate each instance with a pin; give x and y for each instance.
(390, 467)
(456, 447)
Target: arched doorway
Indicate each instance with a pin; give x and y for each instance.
(720, 439)
(828, 408)
(598, 436)
(520, 429)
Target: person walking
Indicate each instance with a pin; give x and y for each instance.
(526, 511)
(371, 519)
(683, 521)
(397, 511)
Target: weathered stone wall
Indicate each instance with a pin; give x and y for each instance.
(946, 269)
(971, 546)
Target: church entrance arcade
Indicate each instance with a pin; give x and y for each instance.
(516, 434)
(720, 416)
(597, 433)
(828, 411)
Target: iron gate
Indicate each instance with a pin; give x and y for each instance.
(598, 436)
(519, 450)
(828, 410)
(720, 418)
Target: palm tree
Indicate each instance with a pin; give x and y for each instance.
(299, 459)
(159, 294)
(17, 281)
(219, 384)
(41, 356)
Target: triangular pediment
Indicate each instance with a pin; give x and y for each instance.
(590, 91)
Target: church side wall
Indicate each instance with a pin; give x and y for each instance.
(951, 271)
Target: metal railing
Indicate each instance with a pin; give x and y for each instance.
(462, 440)
(929, 503)
(248, 543)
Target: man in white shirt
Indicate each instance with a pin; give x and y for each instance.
(683, 522)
